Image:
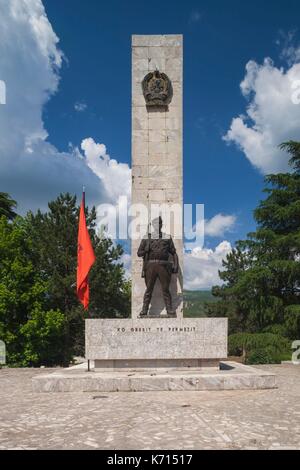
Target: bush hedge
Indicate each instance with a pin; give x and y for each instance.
(259, 348)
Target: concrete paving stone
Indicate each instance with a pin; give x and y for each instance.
(239, 419)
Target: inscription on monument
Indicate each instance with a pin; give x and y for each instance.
(160, 329)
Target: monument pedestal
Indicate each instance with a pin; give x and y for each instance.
(139, 355)
(156, 343)
(230, 376)
(151, 354)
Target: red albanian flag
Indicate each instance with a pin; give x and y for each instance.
(85, 258)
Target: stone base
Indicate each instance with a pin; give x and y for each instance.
(230, 376)
(155, 339)
(160, 364)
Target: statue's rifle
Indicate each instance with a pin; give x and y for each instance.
(147, 253)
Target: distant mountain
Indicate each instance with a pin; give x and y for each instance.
(194, 302)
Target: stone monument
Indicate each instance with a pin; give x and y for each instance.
(157, 348)
(157, 335)
(157, 63)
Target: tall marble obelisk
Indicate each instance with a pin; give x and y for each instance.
(157, 154)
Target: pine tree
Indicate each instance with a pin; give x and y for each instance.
(7, 206)
(261, 288)
(54, 250)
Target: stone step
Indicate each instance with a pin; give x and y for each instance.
(231, 376)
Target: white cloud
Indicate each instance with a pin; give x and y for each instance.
(32, 170)
(219, 224)
(116, 177)
(126, 261)
(116, 180)
(2, 92)
(80, 106)
(290, 52)
(271, 116)
(202, 264)
(195, 16)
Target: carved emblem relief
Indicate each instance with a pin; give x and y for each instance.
(157, 89)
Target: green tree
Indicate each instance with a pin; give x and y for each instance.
(261, 276)
(7, 206)
(53, 237)
(41, 319)
(33, 334)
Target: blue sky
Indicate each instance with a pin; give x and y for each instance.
(220, 37)
(77, 69)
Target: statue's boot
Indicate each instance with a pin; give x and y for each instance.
(172, 313)
(144, 311)
(168, 302)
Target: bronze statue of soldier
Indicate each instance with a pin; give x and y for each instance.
(156, 251)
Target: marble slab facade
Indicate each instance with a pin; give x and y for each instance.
(157, 153)
(155, 339)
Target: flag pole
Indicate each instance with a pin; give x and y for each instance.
(85, 258)
(83, 198)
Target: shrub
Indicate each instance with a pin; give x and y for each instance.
(262, 356)
(292, 321)
(276, 329)
(267, 355)
(259, 348)
(44, 335)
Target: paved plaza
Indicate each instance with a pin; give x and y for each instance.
(248, 419)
